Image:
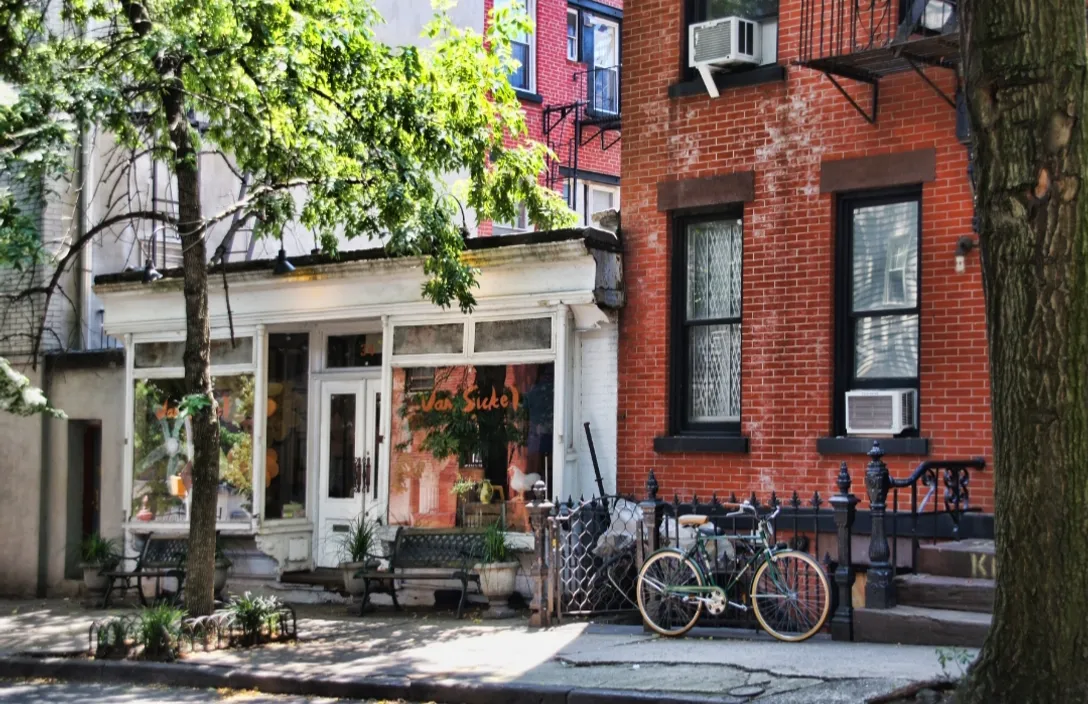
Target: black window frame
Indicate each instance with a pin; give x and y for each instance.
(680, 392)
(845, 353)
(695, 11)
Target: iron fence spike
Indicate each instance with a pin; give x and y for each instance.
(795, 500)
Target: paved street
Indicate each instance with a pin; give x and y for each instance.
(38, 692)
(432, 647)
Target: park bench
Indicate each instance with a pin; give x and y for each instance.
(426, 554)
(160, 557)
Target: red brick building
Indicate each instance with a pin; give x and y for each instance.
(569, 85)
(794, 240)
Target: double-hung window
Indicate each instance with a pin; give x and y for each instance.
(878, 294)
(523, 45)
(707, 326)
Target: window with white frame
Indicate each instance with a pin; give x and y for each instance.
(599, 199)
(162, 441)
(572, 35)
(519, 224)
(524, 46)
(707, 325)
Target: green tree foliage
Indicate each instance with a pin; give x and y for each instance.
(332, 128)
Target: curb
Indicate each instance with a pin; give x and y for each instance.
(442, 691)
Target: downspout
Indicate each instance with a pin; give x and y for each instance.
(85, 172)
(45, 484)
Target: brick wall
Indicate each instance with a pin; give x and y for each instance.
(558, 82)
(784, 131)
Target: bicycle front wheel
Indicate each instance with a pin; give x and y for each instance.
(668, 613)
(791, 596)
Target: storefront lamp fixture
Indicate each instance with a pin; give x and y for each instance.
(964, 245)
(282, 266)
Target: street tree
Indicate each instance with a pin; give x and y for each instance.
(1024, 63)
(330, 128)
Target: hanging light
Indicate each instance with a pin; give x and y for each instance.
(282, 266)
(150, 272)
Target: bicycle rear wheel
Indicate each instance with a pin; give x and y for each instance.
(791, 596)
(665, 613)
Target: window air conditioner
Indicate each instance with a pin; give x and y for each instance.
(884, 412)
(730, 41)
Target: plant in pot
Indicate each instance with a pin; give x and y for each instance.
(222, 569)
(498, 572)
(99, 555)
(357, 552)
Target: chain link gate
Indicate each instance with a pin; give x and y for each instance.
(594, 556)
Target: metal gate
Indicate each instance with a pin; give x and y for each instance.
(594, 556)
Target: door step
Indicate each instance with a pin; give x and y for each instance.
(940, 592)
(913, 625)
(970, 559)
(329, 578)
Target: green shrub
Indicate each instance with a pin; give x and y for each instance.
(495, 547)
(258, 617)
(112, 639)
(96, 550)
(358, 542)
(158, 630)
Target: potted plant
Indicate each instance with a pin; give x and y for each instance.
(357, 552)
(498, 572)
(99, 555)
(222, 569)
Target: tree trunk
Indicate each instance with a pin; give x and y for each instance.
(200, 565)
(1025, 72)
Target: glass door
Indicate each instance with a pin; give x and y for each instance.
(348, 438)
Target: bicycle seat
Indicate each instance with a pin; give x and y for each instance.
(692, 520)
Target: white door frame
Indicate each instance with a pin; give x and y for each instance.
(335, 513)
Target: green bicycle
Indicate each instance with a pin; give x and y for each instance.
(789, 593)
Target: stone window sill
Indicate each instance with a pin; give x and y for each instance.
(861, 446)
(529, 96)
(701, 443)
(763, 74)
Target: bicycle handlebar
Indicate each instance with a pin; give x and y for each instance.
(747, 507)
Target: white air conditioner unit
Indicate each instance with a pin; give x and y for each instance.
(884, 412)
(729, 41)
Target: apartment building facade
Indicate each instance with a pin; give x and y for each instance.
(799, 246)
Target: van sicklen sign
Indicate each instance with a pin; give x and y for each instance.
(510, 398)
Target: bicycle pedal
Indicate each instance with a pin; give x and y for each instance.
(741, 607)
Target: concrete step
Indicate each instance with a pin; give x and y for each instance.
(913, 625)
(972, 559)
(940, 592)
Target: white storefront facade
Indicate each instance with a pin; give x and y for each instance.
(345, 393)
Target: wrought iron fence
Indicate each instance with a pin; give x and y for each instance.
(594, 556)
(806, 524)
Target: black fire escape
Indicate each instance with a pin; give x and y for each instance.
(593, 117)
(867, 40)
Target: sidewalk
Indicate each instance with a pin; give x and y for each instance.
(437, 655)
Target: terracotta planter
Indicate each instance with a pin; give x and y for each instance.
(93, 579)
(497, 582)
(219, 579)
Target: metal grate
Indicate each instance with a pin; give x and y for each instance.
(594, 556)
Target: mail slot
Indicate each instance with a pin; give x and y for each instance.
(340, 528)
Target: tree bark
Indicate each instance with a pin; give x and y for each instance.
(1024, 64)
(200, 565)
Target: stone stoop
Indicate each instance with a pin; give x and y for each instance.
(948, 602)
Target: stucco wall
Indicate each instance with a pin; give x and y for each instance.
(86, 394)
(20, 447)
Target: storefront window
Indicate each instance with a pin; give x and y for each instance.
(429, 339)
(354, 350)
(155, 355)
(468, 451)
(288, 394)
(504, 335)
(163, 450)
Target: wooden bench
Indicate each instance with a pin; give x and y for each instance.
(431, 554)
(160, 557)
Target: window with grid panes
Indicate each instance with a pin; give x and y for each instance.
(707, 326)
(878, 294)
